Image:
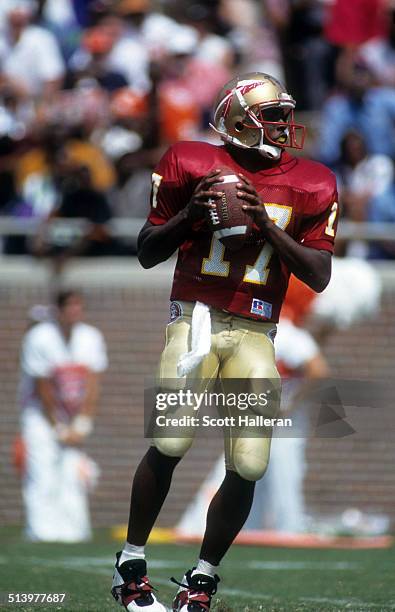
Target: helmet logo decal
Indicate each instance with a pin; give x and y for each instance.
(244, 87)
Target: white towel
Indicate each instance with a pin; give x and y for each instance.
(201, 340)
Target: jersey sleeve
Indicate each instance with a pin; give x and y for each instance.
(34, 357)
(98, 360)
(294, 346)
(319, 231)
(170, 191)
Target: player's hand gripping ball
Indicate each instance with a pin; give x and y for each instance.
(226, 218)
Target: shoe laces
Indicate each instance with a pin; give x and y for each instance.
(198, 591)
(139, 588)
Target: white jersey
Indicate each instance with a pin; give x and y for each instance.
(46, 353)
(34, 60)
(294, 346)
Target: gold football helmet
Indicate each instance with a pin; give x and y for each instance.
(249, 106)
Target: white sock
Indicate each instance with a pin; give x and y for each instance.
(204, 567)
(130, 551)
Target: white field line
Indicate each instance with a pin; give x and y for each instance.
(302, 565)
(354, 605)
(108, 562)
(351, 604)
(251, 565)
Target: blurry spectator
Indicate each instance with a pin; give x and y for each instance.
(379, 55)
(36, 170)
(129, 55)
(78, 112)
(183, 107)
(350, 24)
(15, 115)
(211, 47)
(307, 56)
(92, 61)
(366, 182)
(12, 205)
(30, 60)
(78, 199)
(361, 106)
(124, 50)
(131, 195)
(61, 363)
(253, 33)
(179, 113)
(144, 23)
(64, 19)
(125, 144)
(137, 114)
(367, 193)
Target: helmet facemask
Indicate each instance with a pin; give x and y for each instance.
(266, 118)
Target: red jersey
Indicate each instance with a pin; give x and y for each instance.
(299, 196)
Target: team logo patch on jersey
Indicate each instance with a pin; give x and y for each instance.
(261, 308)
(176, 311)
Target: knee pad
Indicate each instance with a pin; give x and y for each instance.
(250, 458)
(250, 467)
(173, 447)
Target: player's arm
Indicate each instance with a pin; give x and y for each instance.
(156, 243)
(91, 397)
(46, 394)
(82, 424)
(312, 266)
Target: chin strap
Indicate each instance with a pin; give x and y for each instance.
(266, 150)
(269, 151)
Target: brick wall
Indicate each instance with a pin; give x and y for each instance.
(130, 307)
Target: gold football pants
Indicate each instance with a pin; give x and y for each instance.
(240, 349)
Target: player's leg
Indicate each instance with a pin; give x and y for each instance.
(247, 447)
(246, 451)
(40, 488)
(251, 356)
(226, 515)
(131, 586)
(74, 478)
(156, 469)
(152, 480)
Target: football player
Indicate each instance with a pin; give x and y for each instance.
(225, 304)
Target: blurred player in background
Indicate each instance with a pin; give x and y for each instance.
(279, 499)
(352, 296)
(61, 362)
(225, 305)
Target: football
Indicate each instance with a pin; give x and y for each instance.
(228, 221)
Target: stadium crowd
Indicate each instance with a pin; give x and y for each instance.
(93, 91)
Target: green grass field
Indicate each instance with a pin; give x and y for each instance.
(252, 578)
